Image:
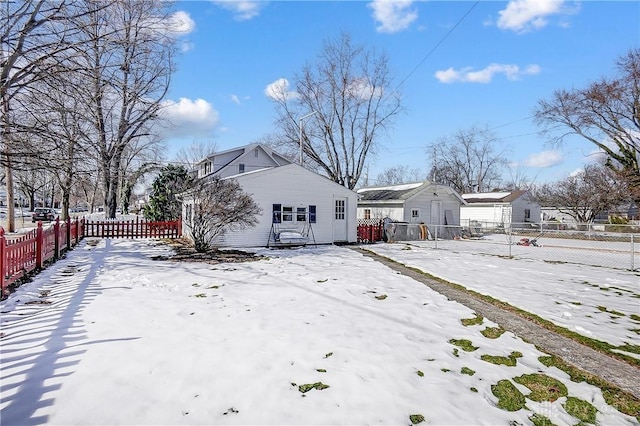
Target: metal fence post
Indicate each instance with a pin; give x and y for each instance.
(633, 255)
(436, 237)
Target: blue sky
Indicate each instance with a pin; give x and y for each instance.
(491, 69)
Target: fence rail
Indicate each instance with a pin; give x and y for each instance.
(31, 251)
(613, 246)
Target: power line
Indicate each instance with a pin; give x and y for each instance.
(433, 49)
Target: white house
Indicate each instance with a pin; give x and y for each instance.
(291, 197)
(421, 202)
(499, 208)
(239, 160)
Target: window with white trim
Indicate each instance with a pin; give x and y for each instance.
(301, 214)
(287, 214)
(367, 213)
(415, 213)
(241, 168)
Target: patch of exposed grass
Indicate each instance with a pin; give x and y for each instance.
(321, 370)
(323, 281)
(635, 317)
(540, 420)
(635, 330)
(463, 344)
(445, 370)
(213, 287)
(580, 409)
(493, 332)
(381, 297)
(195, 285)
(509, 397)
(416, 418)
(473, 390)
(509, 361)
(406, 247)
(467, 371)
(456, 352)
(309, 386)
(542, 387)
(328, 354)
(476, 320)
(576, 303)
(634, 349)
(420, 373)
(200, 295)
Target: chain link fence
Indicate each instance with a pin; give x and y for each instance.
(611, 246)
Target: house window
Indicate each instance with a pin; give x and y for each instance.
(255, 152)
(241, 168)
(277, 213)
(340, 209)
(287, 214)
(207, 167)
(527, 214)
(312, 214)
(301, 214)
(367, 213)
(415, 213)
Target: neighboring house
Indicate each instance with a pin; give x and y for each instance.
(499, 208)
(240, 160)
(291, 197)
(421, 202)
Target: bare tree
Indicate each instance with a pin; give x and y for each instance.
(607, 114)
(190, 155)
(215, 207)
(467, 160)
(397, 175)
(584, 195)
(347, 101)
(35, 40)
(128, 58)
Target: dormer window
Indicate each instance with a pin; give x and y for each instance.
(241, 168)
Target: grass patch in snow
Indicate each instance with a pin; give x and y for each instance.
(420, 373)
(580, 409)
(381, 297)
(635, 317)
(416, 418)
(493, 332)
(509, 397)
(509, 361)
(467, 371)
(463, 344)
(321, 370)
(615, 397)
(476, 320)
(200, 295)
(542, 387)
(540, 420)
(309, 386)
(327, 355)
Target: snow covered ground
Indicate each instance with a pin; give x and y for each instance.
(110, 336)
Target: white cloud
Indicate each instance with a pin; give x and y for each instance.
(243, 10)
(544, 159)
(279, 90)
(181, 23)
(527, 15)
(468, 75)
(235, 99)
(393, 15)
(187, 117)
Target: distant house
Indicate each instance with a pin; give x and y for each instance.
(294, 200)
(499, 208)
(421, 202)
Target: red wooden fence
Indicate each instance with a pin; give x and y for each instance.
(21, 255)
(370, 230)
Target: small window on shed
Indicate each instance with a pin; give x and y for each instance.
(415, 213)
(367, 213)
(241, 168)
(312, 214)
(527, 214)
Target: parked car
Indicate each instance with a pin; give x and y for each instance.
(43, 213)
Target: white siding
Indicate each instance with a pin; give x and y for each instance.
(518, 208)
(377, 212)
(484, 213)
(423, 201)
(294, 186)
